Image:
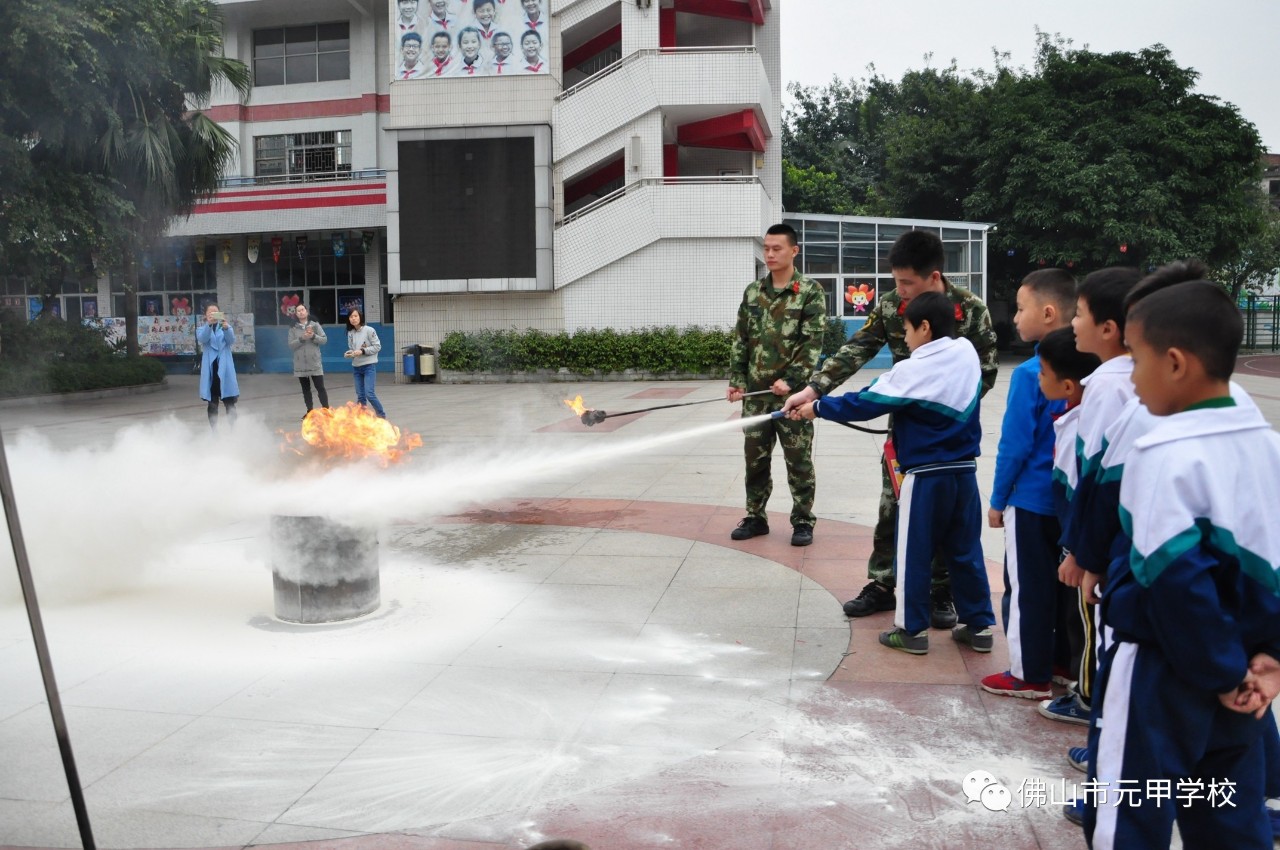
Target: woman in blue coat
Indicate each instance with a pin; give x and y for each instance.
(217, 369)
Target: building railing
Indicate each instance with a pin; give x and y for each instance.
(649, 51)
(309, 177)
(647, 182)
(1261, 322)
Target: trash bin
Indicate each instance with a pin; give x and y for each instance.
(426, 363)
(409, 361)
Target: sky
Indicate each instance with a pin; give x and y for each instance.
(1232, 43)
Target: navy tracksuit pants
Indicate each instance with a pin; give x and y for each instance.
(1030, 601)
(940, 510)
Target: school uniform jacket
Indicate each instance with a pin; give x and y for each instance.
(1106, 392)
(1066, 463)
(1201, 582)
(934, 397)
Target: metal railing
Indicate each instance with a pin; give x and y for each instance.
(647, 182)
(649, 51)
(1261, 322)
(309, 177)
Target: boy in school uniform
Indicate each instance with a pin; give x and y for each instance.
(1022, 496)
(1099, 329)
(934, 398)
(1198, 597)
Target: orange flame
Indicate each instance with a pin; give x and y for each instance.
(576, 406)
(352, 433)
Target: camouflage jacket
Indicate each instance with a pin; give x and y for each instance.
(886, 326)
(778, 333)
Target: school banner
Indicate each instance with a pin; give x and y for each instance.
(172, 335)
(451, 39)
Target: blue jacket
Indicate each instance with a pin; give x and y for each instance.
(1024, 460)
(934, 398)
(215, 344)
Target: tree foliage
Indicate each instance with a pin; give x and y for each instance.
(101, 129)
(1080, 155)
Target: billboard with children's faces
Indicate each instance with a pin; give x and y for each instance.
(447, 39)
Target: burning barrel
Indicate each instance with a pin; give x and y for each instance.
(323, 571)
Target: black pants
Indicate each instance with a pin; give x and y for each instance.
(215, 390)
(306, 382)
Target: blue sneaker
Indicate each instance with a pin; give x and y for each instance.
(1074, 812)
(1065, 708)
(1079, 758)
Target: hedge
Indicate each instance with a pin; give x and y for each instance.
(660, 350)
(53, 356)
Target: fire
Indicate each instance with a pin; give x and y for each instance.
(576, 406)
(352, 433)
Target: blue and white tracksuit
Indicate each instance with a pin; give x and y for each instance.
(1023, 492)
(1196, 597)
(933, 396)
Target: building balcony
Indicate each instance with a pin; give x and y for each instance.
(644, 211)
(341, 200)
(687, 84)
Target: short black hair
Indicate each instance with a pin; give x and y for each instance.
(533, 33)
(1057, 286)
(1058, 351)
(1164, 277)
(1197, 317)
(410, 36)
(936, 309)
(439, 34)
(784, 230)
(472, 30)
(918, 250)
(1105, 290)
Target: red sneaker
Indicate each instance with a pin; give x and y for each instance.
(1009, 685)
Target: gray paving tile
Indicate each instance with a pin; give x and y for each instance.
(727, 606)
(555, 644)
(617, 570)
(589, 603)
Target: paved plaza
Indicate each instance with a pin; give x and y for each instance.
(569, 644)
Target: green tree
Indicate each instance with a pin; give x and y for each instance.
(1258, 262)
(1091, 152)
(103, 102)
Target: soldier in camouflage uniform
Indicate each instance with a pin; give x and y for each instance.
(916, 260)
(776, 345)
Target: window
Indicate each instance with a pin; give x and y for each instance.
(172, 281)
(311, 273)
(303, 156)
(305, 54)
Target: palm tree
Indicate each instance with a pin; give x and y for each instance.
(154, 138)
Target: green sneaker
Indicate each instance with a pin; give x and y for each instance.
(917, 644)
(980, 641)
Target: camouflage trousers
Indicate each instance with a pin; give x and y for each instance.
(883, 548)
(797, 451)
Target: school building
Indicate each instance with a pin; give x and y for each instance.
(621, 177)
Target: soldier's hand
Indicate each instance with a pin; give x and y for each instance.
(733, 394)
(780, 387)
(806, 395)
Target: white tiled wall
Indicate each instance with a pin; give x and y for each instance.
(425, 319)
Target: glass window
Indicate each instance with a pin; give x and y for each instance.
(954, 233)
(303, 156)
(975, 257)
(319, 278)
(172, 281)
(890, 232)
(821, 231)
(955, 257)
(820, 259)
(858, 230)
(302, 54)
(859, 257)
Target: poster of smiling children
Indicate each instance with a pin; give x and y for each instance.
(468, 38)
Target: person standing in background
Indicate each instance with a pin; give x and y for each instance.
(307, 339)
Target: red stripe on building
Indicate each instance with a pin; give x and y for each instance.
(301, 109)
(289, 204)
(235, 193)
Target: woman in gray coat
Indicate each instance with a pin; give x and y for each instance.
(306, 339)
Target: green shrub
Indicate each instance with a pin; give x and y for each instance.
(833, 337)
(53, 356)
(660, 350)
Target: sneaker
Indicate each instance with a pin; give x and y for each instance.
(1009, 685)
(874, 598)
(917, 644)
(1079, 758)
(979, 641)
(1065, 708)
(1074, 812)
(750, 527)
(943, 613)
(801, 535)
(1062, 676)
